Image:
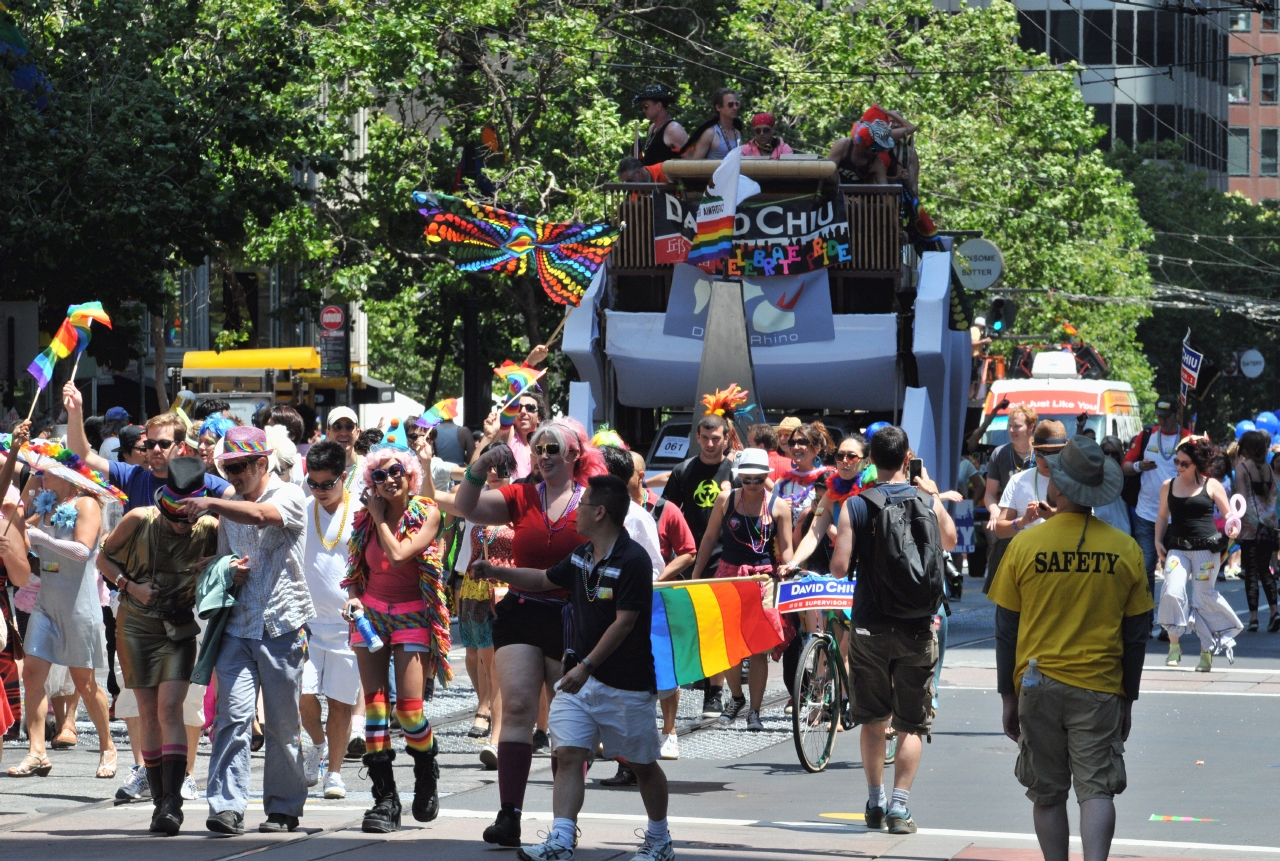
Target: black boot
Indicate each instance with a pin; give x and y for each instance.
(169, 817)
(505, 830)
(155, 780)
(384, 816)
(426, 774)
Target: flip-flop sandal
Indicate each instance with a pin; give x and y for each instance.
(106, 764)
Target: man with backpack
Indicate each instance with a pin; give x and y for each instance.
(901, 534)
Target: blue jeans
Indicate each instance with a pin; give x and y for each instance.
(244, 666)
(1144, 532)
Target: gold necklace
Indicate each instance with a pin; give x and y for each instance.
(342, 519)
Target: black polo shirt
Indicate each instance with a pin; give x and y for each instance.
(597, 591)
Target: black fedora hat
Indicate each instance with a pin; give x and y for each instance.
(185, 481)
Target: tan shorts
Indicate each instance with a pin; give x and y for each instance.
(1069, 732)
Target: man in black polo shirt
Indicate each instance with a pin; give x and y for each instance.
(607, 693)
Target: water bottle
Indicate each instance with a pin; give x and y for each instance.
(1031, 678)
(365, 627)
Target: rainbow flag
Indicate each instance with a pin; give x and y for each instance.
(706, 627)
(68, 340)
(81, 315)
(519, 379)
(42, 367)
(442, 411)
(717, 212)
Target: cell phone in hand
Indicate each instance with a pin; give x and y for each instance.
(914, 469)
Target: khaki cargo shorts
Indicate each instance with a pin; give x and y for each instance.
(1067, 733)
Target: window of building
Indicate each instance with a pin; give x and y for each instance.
(1238, 81)
(1146, 32)
(1269, 22)
(1031, 30)
(1269, 152)
(1097, 37)
(1102, 117)
(1166, 38)
(1238, 151)
(1240, 20)
(1124, 125)
(1124, 37)
(1267, 82)
(1064, 36)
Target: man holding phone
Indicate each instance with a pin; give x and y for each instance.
(1025, 502)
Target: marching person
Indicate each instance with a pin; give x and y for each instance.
(343, 427)
(154, 558)
(1151, 457)
(1190, 548)
(330, 670)
(1071, 631)
(262, 648)
(607, 693)
(1025, 501)
(892, 656)
(1259, 529)
(1006, 461)
(396, 581)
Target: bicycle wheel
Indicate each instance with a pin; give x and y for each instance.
(816, 709)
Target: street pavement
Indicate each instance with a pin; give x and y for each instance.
(1202, 747)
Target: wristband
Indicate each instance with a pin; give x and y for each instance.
(472, 480)
(589, 664)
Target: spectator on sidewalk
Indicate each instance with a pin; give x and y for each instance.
(892, 653)
(606, 696)
(264, 527)
(1071, 633)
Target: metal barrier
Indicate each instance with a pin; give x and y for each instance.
(875, 232)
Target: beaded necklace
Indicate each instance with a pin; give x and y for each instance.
(563, 520)
(342, 518)
(593, 591)
(759, 543)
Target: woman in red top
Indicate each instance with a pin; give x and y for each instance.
(528, 632)
(396, 581)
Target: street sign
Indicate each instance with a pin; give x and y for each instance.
(815, 593)
(332, 342)
(978, 264)
(1252, 364)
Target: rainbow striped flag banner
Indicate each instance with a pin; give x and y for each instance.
(68, 339)
(718, 210)
(1155, 817)
(519, 379)
(703, 628)
(442, 411)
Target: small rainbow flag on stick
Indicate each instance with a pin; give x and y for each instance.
(718, 211)
(703, 628)
(519, 380)
(72, 336)
(442, 411)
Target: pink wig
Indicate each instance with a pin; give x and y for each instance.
(569, 433)
(382, 456)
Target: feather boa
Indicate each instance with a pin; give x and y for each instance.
(430, 574)
(806, 478)
(838, 490)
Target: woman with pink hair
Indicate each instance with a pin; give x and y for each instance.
(396, 580)
(528, 631)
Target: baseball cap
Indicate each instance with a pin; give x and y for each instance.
(1166, 406)
(117, 414)
(129, 437)
(339, 413)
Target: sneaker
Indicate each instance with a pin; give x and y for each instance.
(278, 823)
(711, 704)
(753, 721)
(874, 818)
(313, 765)
(540, 741)
(732, 709)
(226, 822)
(489, 757)
(670, 747)
(900, 822)
(789, 708)
(135, 785)
(1206, 662)
(549, 851)
(189, 789)
(652, 850)
(333, 785)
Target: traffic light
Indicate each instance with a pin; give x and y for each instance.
(1001, 316)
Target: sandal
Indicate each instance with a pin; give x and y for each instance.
(478, 731)
(32, 764)
(106, 764)
(65, 740)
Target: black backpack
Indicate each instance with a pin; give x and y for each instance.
(908, 563)
(1133, 483)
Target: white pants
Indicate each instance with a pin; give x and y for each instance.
(1215, 623)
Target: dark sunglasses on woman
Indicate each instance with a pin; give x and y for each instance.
(848, 455)
(393, 471)
(544, 449)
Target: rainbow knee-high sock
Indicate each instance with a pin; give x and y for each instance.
(377, 730)
(417, 729)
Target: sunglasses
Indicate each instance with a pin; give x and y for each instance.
(848, 455)
(239, 466)
(545, 449)
(800, 441)
(529, 408)
(414, 437)
(139, 449)
(326, 486)
(752, 481)
(763, 130)
(163, 443)
(393, 471)
(1181, 464)
(342, 427)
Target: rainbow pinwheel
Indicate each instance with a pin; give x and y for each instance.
(564, 256)
(442, 411)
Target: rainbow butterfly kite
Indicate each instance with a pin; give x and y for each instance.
(564, 256)
(519, 379)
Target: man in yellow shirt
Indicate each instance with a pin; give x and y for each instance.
(1071, 633)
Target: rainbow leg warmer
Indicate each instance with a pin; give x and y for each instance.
(377, 729)
(417, 729)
